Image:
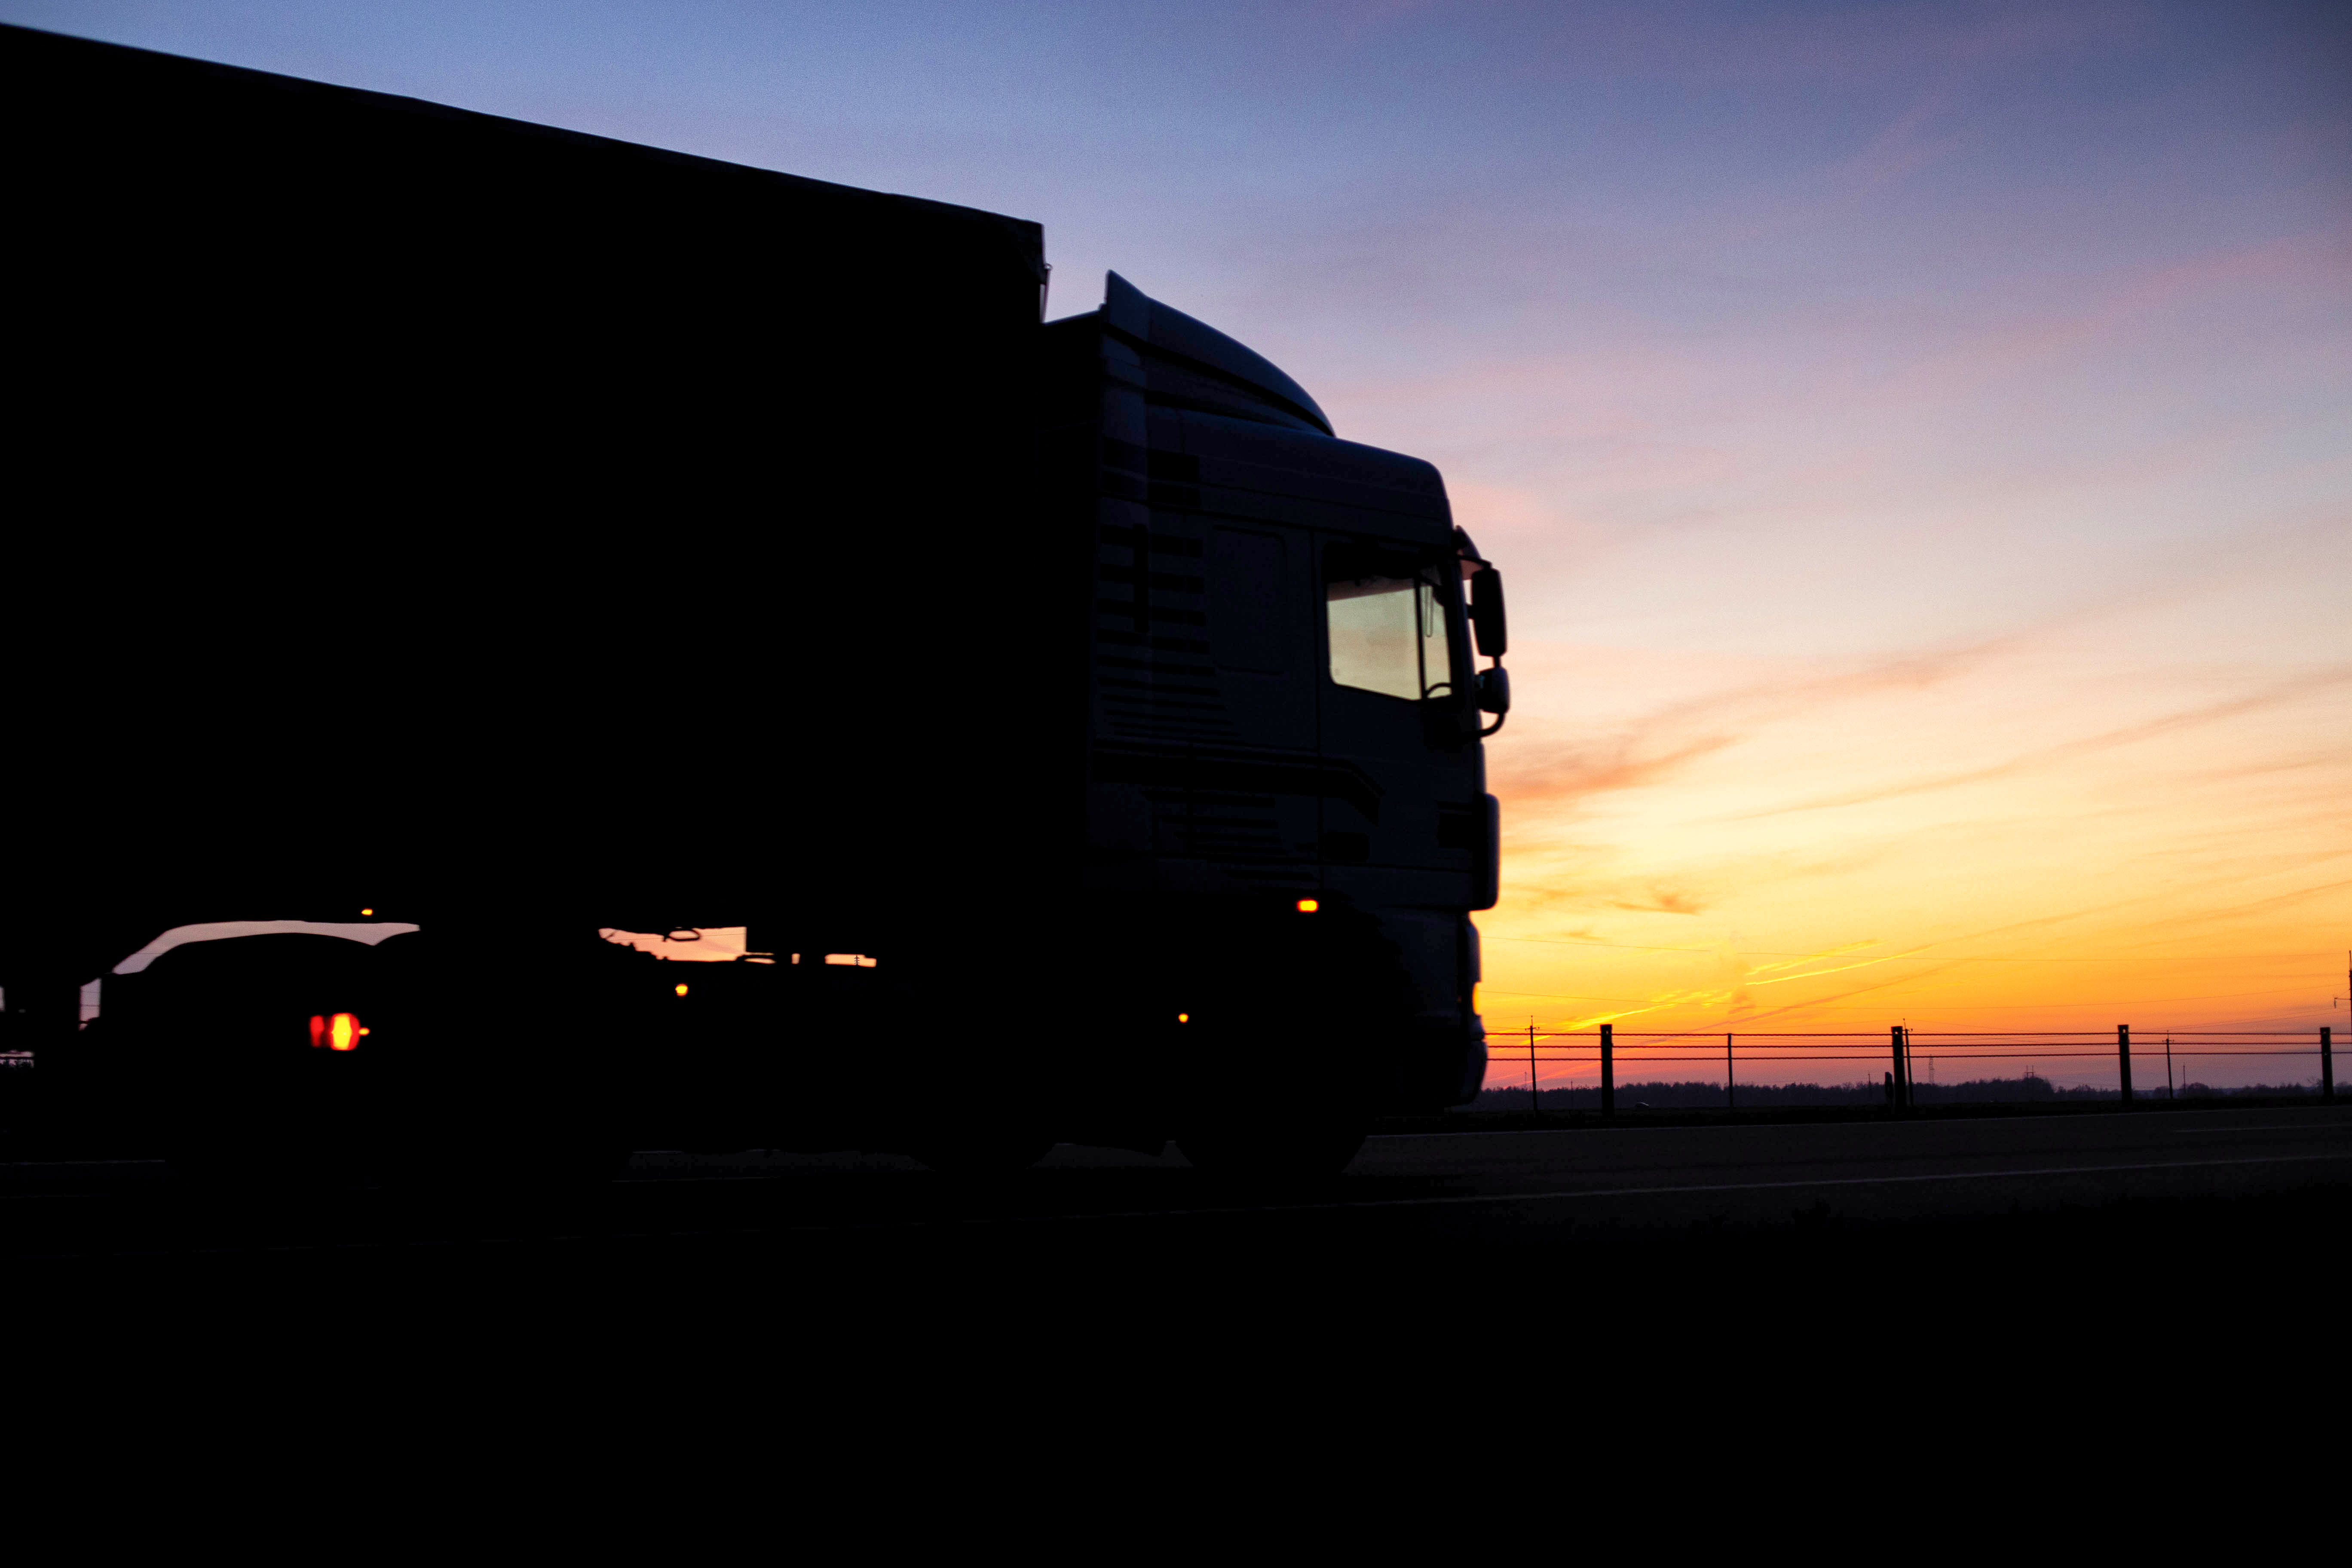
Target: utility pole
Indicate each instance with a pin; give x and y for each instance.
(1730, 1090)
(1609, 1072)
(2169, 1092)
(2328, 1037)
(1535, 1088)
(2326, 1061)
(2123, 1059)
(1899, 1080)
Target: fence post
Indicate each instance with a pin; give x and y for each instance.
(1609, 1070)
(2326, 1062)
(1898, 1082)
(2123, 1057)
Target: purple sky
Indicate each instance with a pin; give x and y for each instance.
(1916, 434)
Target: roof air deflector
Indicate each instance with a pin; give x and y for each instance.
(1127, 310)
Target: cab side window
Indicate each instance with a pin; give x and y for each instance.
(1386, 620)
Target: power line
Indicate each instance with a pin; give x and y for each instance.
(1779, 953)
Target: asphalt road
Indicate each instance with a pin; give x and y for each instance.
(1596, 1268)
(1880, 1170)
(1462, 1185)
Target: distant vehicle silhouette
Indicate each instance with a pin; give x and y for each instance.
(433, 519)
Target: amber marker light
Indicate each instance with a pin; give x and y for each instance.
(679, 987)
(1184, 1018)
(343, 1033)
(364, 913)
(1307, 906)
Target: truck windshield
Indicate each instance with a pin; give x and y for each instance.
(1388, 633)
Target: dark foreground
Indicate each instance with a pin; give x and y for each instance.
(1600, 1295)
(813, 1328)
(1995, 1222)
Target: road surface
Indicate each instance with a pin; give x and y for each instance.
(1522, 1184)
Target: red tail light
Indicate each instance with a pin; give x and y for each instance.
(335, 1031)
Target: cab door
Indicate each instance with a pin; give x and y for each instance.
(1390, 716)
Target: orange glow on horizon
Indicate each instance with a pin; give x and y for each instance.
(2028, 842)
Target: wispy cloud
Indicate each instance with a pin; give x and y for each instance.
(2130, 734)
(1707, 45)
(1840, 948)
(1663, 902)
(2212, 915)
(1560, 772)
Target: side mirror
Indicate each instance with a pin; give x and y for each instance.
(1486, 613)
(1495, 691)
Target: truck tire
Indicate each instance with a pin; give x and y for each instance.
(973, 1154)
(261, 1163)
(1274, 1152)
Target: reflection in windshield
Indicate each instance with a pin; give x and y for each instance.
(1388, 634)
(370, 932)
(1436, 642)
(707, 944)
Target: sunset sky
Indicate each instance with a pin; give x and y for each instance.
(1917, 438)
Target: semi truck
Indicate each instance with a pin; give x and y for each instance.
(465, 574)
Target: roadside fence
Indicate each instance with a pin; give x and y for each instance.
(1899, 1056)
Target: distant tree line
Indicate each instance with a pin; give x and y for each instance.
(2032, 1087)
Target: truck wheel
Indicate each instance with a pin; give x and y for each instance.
(518, 1164)
(571, 1166)
(219, 1166)
(259, 1163)
(983, 1153)
(1274, 1153)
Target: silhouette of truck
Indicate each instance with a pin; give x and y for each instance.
(463, 570)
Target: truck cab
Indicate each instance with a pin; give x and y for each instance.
(1285, 720)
